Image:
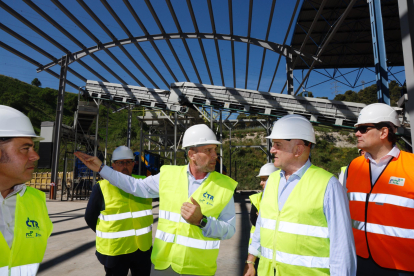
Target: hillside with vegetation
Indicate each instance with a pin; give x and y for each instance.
(335, 146)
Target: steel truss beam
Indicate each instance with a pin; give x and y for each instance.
(380, 57)
(38, 49)
(275, 47)
(213, 27)
(349, 82)
(190, 8)
(141, 25)
(284, 42)
(328, 40)
(177, 25)
(34, 62)
(272, 9)
(233, 62)
(47, 37)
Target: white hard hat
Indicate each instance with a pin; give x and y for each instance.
(293, 127)
(122, 152)
(377, 113)
(267, 169)
(199, 135)
(14, 123)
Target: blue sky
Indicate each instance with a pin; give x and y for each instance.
(13, 66)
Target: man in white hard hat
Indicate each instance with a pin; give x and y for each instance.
(122, 222)
(304, 226)
(265, 171)
(196, 206)
(380, 188)
(25, 225)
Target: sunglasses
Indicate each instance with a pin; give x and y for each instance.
(123, 163)
(363, 129)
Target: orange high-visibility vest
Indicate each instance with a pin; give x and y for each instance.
(383, 214)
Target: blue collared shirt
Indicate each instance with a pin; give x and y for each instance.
(222, 228)
(342, 258)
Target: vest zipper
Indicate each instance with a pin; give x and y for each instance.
(367, 201)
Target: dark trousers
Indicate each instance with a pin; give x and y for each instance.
(140, 265)
(367, 267)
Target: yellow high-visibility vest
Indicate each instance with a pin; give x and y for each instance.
(32, 228)
(126, 223)
(295, 240)
(177, 243)
(255, 200)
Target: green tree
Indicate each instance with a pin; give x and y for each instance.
(369, 94)
(310, 94)
(36, 82)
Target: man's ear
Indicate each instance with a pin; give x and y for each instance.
(299, 150)
(190, 154)
(0, 153)
(385, 131)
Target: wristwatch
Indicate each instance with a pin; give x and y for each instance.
(203, 222)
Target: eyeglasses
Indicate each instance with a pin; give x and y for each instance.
(123, 163)
(363, 129)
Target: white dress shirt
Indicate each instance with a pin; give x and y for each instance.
(222, 228)
(376, 168)
(8, 212)
(342, 259)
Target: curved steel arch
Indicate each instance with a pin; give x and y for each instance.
(272, 46)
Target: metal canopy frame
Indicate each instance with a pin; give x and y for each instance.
(281, 49)
(315, 47)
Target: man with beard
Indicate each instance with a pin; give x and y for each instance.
(122, 222)
(25, 225)
(196, 206)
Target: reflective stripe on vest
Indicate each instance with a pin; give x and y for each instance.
(24, 270)
(175, 237)
(307, 261)
(189, 242)
(123, 234)
(383, 198)
(171, 216)
(303, 229)
(294, 259)
(383, 230)
(268, 223)
(379, 211)
(266, 253)
(295, 239)
(125, 215)
(296, 228)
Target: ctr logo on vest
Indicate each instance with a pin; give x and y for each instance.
(32, 226)
(210, 199)
(397, 181)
